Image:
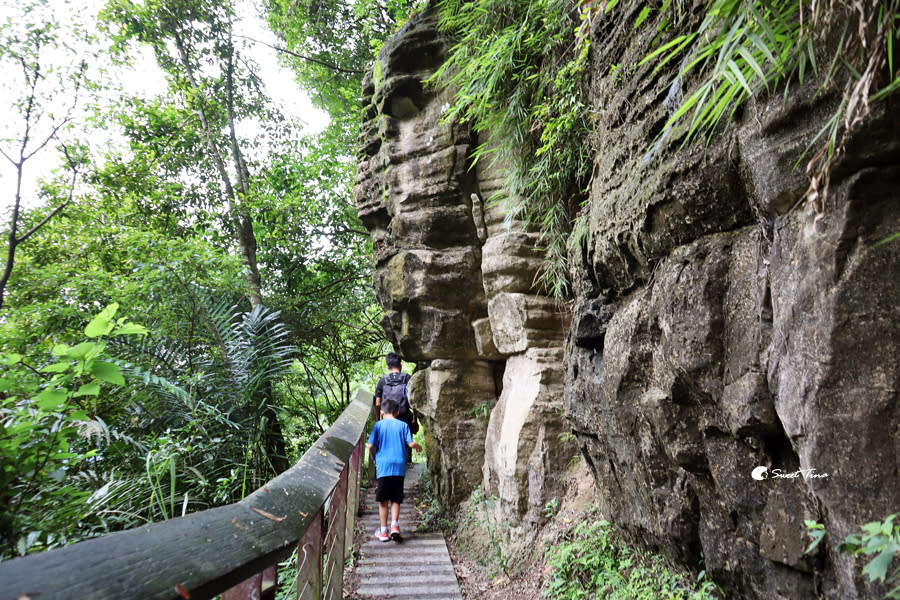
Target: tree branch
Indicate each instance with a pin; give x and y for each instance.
(49, 216)
(74, 167)
(7, 156)
(302, 57)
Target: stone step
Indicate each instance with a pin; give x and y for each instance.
(394, 577)
(412, 594)
(438, 570)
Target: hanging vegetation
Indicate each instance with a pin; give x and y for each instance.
(517, 69)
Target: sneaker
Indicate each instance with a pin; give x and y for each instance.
(382, 535)
(395, 534)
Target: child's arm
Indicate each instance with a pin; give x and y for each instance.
(415, 446)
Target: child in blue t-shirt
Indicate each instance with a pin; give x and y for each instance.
(389, 439)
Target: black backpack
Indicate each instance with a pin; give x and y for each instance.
(395, 389)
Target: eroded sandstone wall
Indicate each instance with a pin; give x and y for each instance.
(456, 283)
(720, 323)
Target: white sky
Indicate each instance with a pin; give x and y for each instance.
(145, 78)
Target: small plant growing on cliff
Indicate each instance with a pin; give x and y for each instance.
(880, 539)
(482, 514)
(483, 409)
(551, 507)
(432, 516)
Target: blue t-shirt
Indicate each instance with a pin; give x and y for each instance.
(390, 437)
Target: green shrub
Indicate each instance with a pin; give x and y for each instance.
(878, 539)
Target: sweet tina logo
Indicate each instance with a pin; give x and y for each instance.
(761, 473)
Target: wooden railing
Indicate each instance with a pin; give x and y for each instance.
(230, 550)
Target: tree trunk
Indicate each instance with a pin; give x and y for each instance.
(243, 224)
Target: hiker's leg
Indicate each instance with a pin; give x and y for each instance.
(395, 512)
(383, 513)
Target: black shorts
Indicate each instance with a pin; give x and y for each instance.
(390, 488)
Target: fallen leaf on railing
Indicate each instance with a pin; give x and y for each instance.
(267, 515)
(238, 525)
(182, 591)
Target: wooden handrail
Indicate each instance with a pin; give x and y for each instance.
(231, 550)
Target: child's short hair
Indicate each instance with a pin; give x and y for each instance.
(389, 407)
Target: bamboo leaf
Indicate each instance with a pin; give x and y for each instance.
(751, 62)
(761, 46)
(736, 70)
(680, 41)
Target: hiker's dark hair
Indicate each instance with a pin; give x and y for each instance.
(388, 406)
(393, 361)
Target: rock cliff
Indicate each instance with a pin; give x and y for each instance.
(720, 323)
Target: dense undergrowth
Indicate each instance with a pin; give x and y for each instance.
(591, 561)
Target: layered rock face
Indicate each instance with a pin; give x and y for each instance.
(722, 326)
(456, 284)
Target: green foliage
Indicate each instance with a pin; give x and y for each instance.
(519, 81)
(482, 410)
(203, 429)
(48, 411)
(880, 539)
(591, 562)
(221, 396)
(551, 507)
(816, 533)
(44, 52)
(743, 48)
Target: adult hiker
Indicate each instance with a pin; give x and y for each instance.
(393, 387)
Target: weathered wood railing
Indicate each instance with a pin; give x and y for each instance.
(230, 550)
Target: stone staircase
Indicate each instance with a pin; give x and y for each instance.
(419, 568)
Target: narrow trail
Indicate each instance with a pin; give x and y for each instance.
(417, 568)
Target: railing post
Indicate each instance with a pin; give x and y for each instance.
(354, 481)
(309, 561)
(334, 540)
(249, 589)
